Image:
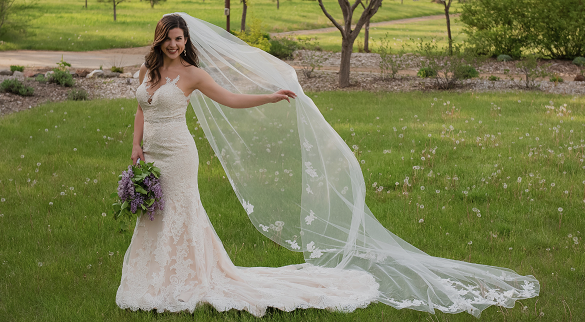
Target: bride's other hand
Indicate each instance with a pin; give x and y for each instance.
(282, 94)
(137, 153)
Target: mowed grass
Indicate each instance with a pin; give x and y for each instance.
(402, 35)
(67, 25)
(497, 179)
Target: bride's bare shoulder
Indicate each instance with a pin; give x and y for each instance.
(194, 74)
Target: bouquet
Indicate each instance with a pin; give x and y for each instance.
(138, 190)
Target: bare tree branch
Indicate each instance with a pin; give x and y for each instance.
(335, 23)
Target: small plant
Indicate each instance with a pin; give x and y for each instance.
(16, 68)
(579, 61)
(426, 72)
(254, 37)
(466, 72)
(16, 87)
(493, 78)
(531, 70)
(77, 95)
(63, 64)
(556, 79)
(504, 58)
(61, 77)
(390, 64)
(41, 78)
(313, 57)
(117, 69)
(283, 48)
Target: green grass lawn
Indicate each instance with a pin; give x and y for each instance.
(508, 156)
(399, 35)
(67, 25)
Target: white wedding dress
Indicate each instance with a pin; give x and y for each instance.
(177, 261)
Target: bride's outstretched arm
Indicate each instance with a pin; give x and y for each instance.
(211, 89)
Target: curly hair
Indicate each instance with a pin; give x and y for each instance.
(154, 59)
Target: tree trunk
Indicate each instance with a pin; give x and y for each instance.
(85, 4)
(244, 11)
(151, 3)
(447, 6)
(114, 10)
(367, 36)
(227, 8)
(344, 67)
(277, 4)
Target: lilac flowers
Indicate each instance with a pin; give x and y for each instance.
(138, 189)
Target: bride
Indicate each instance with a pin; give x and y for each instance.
(296, 178)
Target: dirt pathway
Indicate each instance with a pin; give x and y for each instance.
(373, 24)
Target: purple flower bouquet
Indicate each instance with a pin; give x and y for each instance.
(138, 190)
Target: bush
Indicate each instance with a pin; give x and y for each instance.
(466, 72)
(426, 72)
(77, 95)
(61, 77)
(16, 68)
(579, 61)
(16, 87)
(531, 70)
(41, 78)
(283, 48)
(554, 29)
(556, 79)
(313, 56)
(117, 69)
(254, 36)
(389, 63)
(493, 78)
(504, 58)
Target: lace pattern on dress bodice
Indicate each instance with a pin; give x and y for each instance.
(167, 103)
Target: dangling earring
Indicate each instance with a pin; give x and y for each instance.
(185, 52)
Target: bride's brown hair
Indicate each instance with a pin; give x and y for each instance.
(154, 59)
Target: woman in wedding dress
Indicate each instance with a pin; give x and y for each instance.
(177, 261)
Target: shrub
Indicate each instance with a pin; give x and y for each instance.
(16, 87)
(16, 68)
(254, 37)
(389, 63)
(504, 58)
(579, 61)
(531, 70)
(77, 95)
(61, 77)
(493, 78)
(283, 48)
(556, 79)
(426, 72)
(313, 57)
(117, 69)
(63, 64)
(41, 78)
(466, 72)
(553, 29)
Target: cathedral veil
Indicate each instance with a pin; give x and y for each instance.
(303, 188)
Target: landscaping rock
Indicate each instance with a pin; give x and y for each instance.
(18, 75)
(136, 75)
(47, 74)
(95, 73)
(109, 74)
(29, 74)
(125, 75)
(580, 78)
(82, 72)
(6, 72)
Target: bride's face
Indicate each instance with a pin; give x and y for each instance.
(174, 44)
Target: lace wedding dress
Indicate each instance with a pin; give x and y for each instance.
(177, 261)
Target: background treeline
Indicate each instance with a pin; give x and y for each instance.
(553, 29)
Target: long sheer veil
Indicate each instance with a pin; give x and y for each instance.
(302, 187)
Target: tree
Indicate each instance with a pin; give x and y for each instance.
(116, 2)
(348, 35)
(244, 12)
(447, 4)
(153, 2)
